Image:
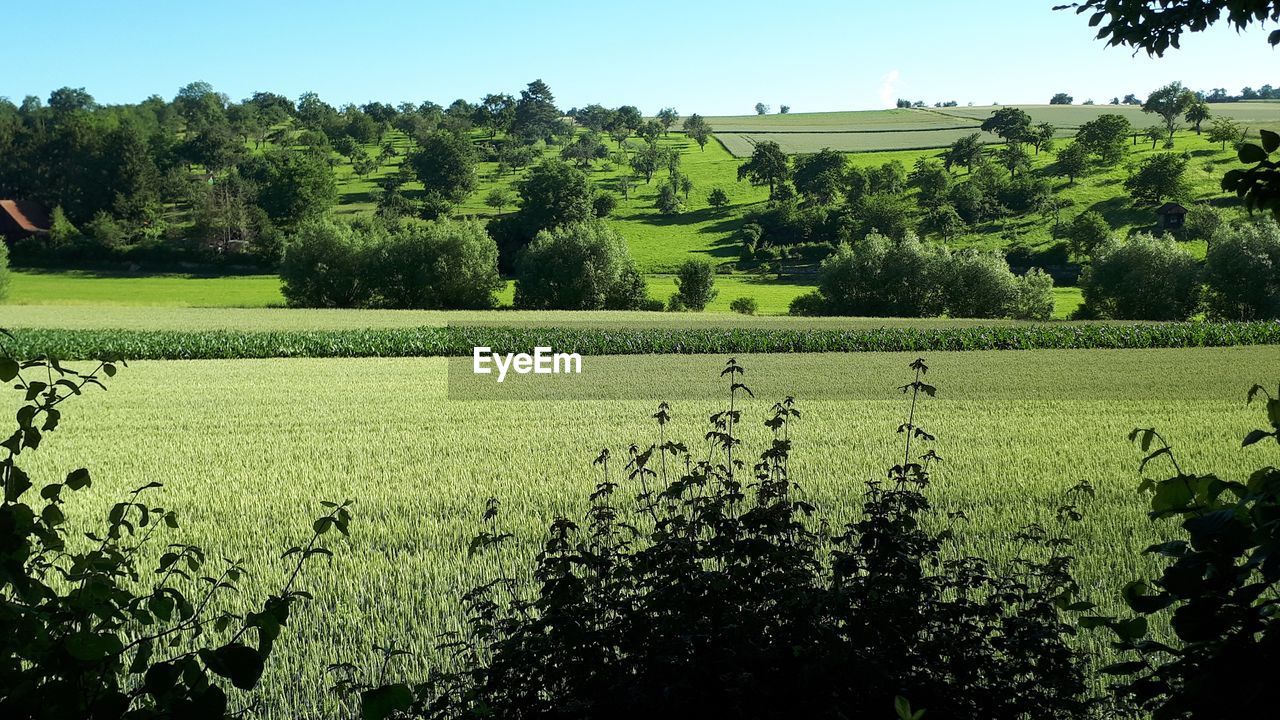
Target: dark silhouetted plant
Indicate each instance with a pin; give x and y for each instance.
(702, 583)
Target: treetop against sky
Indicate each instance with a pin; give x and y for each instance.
(714, 57)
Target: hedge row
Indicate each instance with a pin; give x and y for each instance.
(459, 340)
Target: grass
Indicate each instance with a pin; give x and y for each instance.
(74, 287)
(246, 448)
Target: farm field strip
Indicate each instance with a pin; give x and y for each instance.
(246, 448)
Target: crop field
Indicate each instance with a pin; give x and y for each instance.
(246, 449)
(927, 128)
(119, 289)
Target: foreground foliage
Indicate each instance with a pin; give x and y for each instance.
(102, 629)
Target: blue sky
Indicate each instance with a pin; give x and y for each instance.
(708, 56)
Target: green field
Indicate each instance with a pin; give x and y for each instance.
(246, 448)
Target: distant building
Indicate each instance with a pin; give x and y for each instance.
(21, 219)
(1171, 216)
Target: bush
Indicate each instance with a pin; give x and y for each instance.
(695, 284)
(4, 270)
(446, 264)
(324, 265)
(87, 637)
(579, 267)
(1203, 222)
(1087, 232)
(105, 231)
(810, 304)
(744, 306)
(1035, 296)
(603, 204)
(1242, 272)
(979, 285)
(442, 264)
(1143, 278)
(880, 277)
(701, 586)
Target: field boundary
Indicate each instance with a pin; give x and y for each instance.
(459, 341)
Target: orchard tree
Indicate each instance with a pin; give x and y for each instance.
(1010, 124)
(1014, 158)
(553, 195)
(445, 163)
(1073, 161)
(942, 221)
(628, 117)
(1225, 130)
(1105, 137)
(819, 176)
(717, 198)
(1086, 233)
(784, 109)
(1171, 103)
(668, 117)
(650, 130)
(697, 128)
(496, 112)
(1198, 113)
(1061, 99)
(1041, 137)
(499, 198)
(648, 160)
(1158, 177)
(1155, 134)
(966, 151)
(762, 109)
(767, 166)
(595, 117)
(585, 149)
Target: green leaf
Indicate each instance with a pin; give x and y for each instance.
(1132, 629)
(378, 703)
(91, 647)
(78, 479)
(1270, 140)
(8, 369)
(1250, 153)
(1255, 436)
(240, 664)
(1124, 668)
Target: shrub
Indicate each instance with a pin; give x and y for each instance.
(979, 285)
(877, 276)
(105, 231)
(579, 267)
(1203, 222)
(85, 636)
(1215, 590)
(702, 585)
(603, 204)
(4, 270)
(1087, 232)
(744, 306)
(324, 265)
(810, 304)
(1143, 278)
(695, 284)
(1242, 272)
(446, 264)
(1035, 296)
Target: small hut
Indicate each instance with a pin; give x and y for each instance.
(1171, 216)
(20, 219)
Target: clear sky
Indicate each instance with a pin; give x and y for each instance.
(707, 56)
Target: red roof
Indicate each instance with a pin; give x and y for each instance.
(28, 216)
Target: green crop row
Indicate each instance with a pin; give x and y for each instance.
(460, 340)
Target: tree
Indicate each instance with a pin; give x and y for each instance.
(1131, 99)
(966, 151)
(762, 109)
(443, 264)
(650, 130)
(880, 277)
(1072, 161)
(1014, 158)
(768, 165)
(553, 195)
(445, 163)
(324, 265)
(1105, 137)
(695, 284)
(686, 186)
(1011, 124)
(884, 214)
(4, 270)
(536, 116)
(932, 182)
(1041, 136)
(697, 128)
(1061, 99)
(979, 284)
(1242, 272)
(942, 221)
(1150, 25)
(364, 165)
(586, 148)
(717, 198)
(1170, 102)
(499, 198)
(668, 117)
(1225, 130)
(292, 186)
(1086, 233)
(628, 117)
(784, 109)
(819, 177)
(1158, 177)
(496, 112)
(1198, 113)
(648, 160)
(584, 266)
(1142, 278)
(668, 202)
(1155, 134)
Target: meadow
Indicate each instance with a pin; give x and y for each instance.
(246, 448)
